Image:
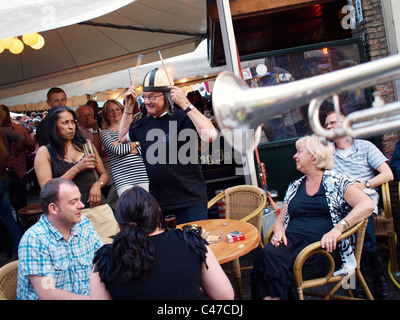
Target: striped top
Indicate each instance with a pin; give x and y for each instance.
(359, 161)
(126, 168)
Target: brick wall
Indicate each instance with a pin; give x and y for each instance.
(372, 30)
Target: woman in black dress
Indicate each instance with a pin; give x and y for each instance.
(316, 208)
(145, 262)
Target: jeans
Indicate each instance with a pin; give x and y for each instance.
(188, 214)
(7, 217)
(370, 240)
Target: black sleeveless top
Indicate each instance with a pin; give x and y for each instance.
(175, 273)
(309, 215)
(83, 180)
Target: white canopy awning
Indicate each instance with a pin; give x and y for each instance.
(101, 46)
(190, 65)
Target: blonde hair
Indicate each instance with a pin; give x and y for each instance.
(323, 153)
(105, 122)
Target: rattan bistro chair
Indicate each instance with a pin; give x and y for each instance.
(245, 203)
(8, 281)
(315, 248)
(384, 225)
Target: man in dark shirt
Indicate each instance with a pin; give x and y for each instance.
(55, 97)
(168, 138)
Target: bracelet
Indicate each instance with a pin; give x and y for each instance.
(95, 131)
(128, 112)
(344, 224)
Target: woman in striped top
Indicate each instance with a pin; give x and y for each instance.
(127, 168)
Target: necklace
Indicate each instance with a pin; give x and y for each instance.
(71, 157)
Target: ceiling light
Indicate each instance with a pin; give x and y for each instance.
(7, 43)
(40, 43)
(17, 47)
(30, 39)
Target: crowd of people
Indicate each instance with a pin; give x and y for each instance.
(107, 179)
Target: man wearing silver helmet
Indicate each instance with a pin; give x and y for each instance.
(168, 135)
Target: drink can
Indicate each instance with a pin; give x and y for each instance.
(220, 205)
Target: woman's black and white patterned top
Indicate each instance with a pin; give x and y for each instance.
(126, 168)
(335, 185)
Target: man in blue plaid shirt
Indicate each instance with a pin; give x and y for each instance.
(56, 254)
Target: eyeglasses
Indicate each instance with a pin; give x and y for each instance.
(151, 98)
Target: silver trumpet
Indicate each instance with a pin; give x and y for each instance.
(238, 108)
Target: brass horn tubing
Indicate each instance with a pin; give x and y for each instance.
(315, 124)
(373, 121)
(383, 114)
(285, 97)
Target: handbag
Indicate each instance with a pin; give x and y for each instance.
(103, 220)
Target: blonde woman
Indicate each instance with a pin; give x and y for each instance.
(317, 207)
(127, 167)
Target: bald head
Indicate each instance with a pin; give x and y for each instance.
(84, 115)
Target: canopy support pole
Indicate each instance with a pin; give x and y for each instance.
(233, 63)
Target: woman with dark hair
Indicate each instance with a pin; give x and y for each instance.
(145, 262)
(64, 157)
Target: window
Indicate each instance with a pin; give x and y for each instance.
(279, 67)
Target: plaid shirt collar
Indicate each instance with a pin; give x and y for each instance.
(57, 234)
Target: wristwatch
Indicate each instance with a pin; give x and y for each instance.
(367, 184)
(96, 131)
(190, 107)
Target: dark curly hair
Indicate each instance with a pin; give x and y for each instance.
(138, 214)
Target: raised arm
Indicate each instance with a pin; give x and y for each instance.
(126, 120)
(204, 126)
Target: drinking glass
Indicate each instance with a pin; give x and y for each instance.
(170, 222)
(88, 148)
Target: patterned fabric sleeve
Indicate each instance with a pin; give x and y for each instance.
(335, 185)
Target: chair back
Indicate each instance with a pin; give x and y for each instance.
(245, 202)
(360, 234)
(8, 281)
(384, 224)
(386, 200)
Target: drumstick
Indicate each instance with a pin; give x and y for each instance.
(170, 79)
(138, 63)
